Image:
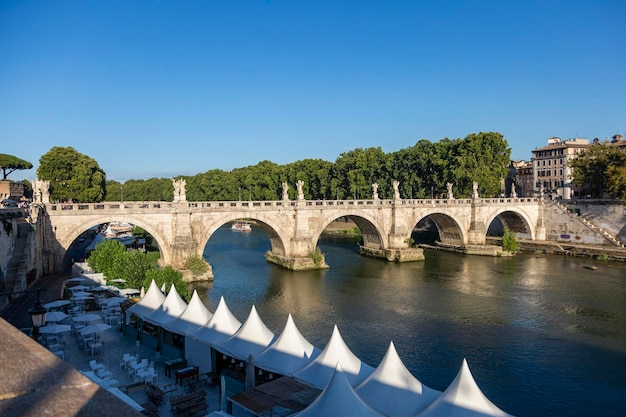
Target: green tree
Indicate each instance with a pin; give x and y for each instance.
(73, 176)
(132, 266)
(105, 258)
(168, 276)
(10, 163)
(600, 168)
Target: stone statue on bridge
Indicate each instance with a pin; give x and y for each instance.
(285, 193)
(300, 183)
(180, 193)
(475, 189)
(41, 191)
(396, 190)
(375, 191)
(513, 191)
(450, 194)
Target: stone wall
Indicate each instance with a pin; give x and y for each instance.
(563, 225)
(609, 215)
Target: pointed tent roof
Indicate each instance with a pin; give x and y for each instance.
(289, 352)
(194, 316)
(319, 371)
(338, 399)
(149, 303)
(393, 390)
(220, 327)
(462, 398)
(172, 307)
(251, 338)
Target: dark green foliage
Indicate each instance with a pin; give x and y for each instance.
(10, 163)
(72, 175)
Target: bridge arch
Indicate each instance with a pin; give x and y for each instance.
(276, 240)
(515, 220)
(449, 229)
(76, 230)
(370, 231)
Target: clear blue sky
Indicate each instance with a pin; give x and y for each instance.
(162, 88)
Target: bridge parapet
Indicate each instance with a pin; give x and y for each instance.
(164, 206)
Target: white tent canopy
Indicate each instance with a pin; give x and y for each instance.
(462, 398)
(251, 338)
(289, 352)
(149, 303)
(171, 308)
(320, 370)
(222, 325)
(393, 390)
(338, 399)
(194, 316)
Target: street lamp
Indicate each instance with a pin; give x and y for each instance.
(37, 315)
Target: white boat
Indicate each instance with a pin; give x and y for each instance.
(241, 227)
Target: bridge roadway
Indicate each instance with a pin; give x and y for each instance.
(183, 228)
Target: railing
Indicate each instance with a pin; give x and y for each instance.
(158, 206)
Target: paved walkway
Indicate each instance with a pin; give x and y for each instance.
(115, 345)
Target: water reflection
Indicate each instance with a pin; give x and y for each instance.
(542, 334)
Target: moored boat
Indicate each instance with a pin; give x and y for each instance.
(241, 227)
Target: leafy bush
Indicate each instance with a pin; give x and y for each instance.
(509, 241)
(196, 265)
(168, 276)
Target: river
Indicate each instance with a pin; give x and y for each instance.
(543, 335)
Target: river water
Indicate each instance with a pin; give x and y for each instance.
(543, 335)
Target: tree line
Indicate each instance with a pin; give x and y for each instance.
(423, 170)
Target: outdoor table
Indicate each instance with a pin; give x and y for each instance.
(185, 373)
(176, 401)
(173, 365)
(190, 407)
(94, 347)
(104, 373)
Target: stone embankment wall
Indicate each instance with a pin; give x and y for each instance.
(608, 215)
(565, 225)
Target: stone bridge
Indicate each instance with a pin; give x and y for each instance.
(182, 228)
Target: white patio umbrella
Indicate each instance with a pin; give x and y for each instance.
(79, 288)
(56, 304)
(54, 316)
(113, 300)
(94, 328)
(76, 279)
(55, 328)
(86, 317)
(81, 294)
(129, 291)
(118, 280)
